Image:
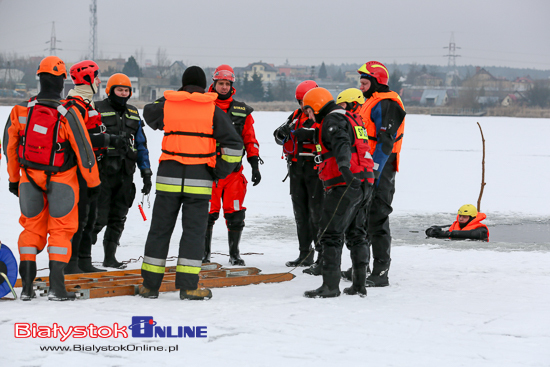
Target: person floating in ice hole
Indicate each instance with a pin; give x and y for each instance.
(467, 226)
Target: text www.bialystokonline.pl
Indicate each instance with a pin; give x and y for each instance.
(109, 348)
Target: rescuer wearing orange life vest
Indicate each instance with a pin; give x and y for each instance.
(44, 176)
(189, 165)
(231, 190)
(306, 190)
(383, 114)
(86, 80)
(345, 167)
(467, 226)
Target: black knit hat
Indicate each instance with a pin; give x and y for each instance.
(194, 75)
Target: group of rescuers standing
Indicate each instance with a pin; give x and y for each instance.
(71, 162)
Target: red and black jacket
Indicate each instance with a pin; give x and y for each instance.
(342, 142)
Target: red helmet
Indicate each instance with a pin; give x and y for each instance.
(303, 88)
(84, 72)
(52, 65)
(224, 72)
(377, 70)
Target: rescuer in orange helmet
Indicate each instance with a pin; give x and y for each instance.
(47, 141)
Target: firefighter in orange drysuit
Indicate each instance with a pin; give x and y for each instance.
(232, 189)
(48, 193)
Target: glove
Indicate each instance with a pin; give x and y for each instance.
(284, 131)
(256, 176)
(433, 232)
(146, 174)
(348, 177)
(14, 188)
(304, 134)
(93, 192)
(117, 142)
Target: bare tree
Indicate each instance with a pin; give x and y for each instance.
(163, 63)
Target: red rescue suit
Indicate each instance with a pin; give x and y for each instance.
(361, 160)
(232, 189)
(293, 149)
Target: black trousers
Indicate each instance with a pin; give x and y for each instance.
(379, 234)
(344, 214)
(117, 196)
(194, 219)
(82, 239)
(306, 191)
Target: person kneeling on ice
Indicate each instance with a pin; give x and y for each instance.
(467, 226)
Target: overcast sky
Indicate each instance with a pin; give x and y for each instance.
(513, 33)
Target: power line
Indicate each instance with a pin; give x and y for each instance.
(93, 29)
(53, 42)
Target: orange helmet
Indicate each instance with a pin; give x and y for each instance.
(375, 69)
(52, 65)
(224, 72)
(303, 88)
(317, 98)
(118, 80)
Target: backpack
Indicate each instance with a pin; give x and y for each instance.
(40, 145)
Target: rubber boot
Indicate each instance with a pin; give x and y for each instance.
(148, 293)
(358, 287)
(304, 259)
(207, 245)
(27, 270)
(234, 238)
(317, 267)
(110, 261)
(57, 291)
(200, 294)
(347, 275)
(330, 287)
(379, 275)
(72, 267)
(86, 265)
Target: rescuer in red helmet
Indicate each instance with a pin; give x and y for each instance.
(306, 191)
(384, 116)
(231, 190)
(85, 76)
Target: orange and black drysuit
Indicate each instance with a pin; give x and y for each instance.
(192, 125)
(471, 230)
(306, 190)
(345, 167)
(48, 195)
(383, 114)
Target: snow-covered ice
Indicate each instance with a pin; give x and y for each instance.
(449, 304)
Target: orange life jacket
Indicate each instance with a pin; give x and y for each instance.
(188, 128)
(361, 164)
(371, 126)
(475, 223)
